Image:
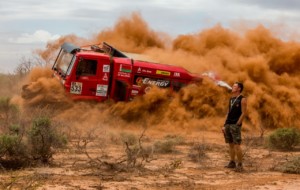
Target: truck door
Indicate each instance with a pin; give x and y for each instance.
(121, 89)
(121, 81)
(91, 80)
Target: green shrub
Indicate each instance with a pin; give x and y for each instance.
(13, 152)
(14, 129)
(42, 138)
(22, 144)
(8, 143)
(11, 143)
(284, 138)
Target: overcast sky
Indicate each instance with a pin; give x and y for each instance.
(28, 24)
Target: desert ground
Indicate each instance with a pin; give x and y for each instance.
(196, 161)
(180, 144)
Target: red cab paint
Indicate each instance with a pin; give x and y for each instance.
(101, 72)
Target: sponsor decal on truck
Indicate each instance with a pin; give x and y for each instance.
(166, 73)
(101, 90)
(152, 81)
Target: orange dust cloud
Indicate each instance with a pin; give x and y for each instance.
(267, 65)
(43, 89)
(131, 34)
(49, 54)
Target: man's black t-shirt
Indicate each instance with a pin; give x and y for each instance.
(235, 110)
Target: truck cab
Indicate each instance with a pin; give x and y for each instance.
(101, 72)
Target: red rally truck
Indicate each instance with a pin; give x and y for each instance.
(101, 72)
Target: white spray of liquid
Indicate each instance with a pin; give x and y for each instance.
(216, 79)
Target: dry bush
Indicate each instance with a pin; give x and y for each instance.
(278, 161)
(80, 139)
(10, 84)
(197, 152)
(250, 143)
(292, 165)
(21, 181)
(269, 161)
(253, 141)
(128, 138)
(9, 113)
(114, 138)
(27, 64)
(136, 154)
(178, 140)
(119, 138)
(172, 165)
(164, 147)
(168, 144)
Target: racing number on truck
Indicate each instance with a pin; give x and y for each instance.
(76, 88)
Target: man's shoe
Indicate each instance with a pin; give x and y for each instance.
(231, 164)
(239, 167)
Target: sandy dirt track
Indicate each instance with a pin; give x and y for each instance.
(72, 169)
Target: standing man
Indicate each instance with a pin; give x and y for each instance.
(232, 127)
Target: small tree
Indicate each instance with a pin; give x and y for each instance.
(26, 64)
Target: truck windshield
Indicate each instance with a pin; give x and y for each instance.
(63, 61)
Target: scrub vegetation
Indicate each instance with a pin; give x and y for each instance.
(162, 140)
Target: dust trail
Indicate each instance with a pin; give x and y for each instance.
(264, 63)
(131, 34)
(268, 67)
(42, 89)
(49, 54)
